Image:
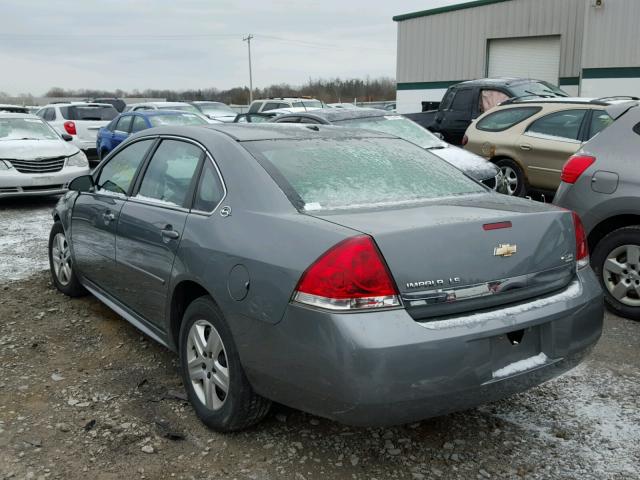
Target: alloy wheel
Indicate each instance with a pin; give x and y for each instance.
(621, 274)
(207, 364)
(61, 258)
(510, 179)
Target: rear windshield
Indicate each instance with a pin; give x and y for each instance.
(216, 108)
(396, 125)
(177, 119)
(326, 174)
(503, 119)
(537, 88)
(89, 112)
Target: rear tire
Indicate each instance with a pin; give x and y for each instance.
(61, 265)
(616, 261)
(213, 376)
(514, 177)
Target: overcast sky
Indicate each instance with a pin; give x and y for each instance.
(181, 44)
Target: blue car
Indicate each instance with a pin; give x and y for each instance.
(125, 124)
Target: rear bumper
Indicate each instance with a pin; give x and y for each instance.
(16, 184)
(384, 368)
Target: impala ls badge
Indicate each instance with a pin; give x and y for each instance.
(505, 250)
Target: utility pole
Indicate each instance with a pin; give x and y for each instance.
(248, 40)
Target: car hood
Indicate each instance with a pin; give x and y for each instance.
(32, 149)
(473, 165)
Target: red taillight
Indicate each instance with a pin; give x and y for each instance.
(70, 127)
(465, 140)
(582, 248)
(496, 226)
(351, 275)
(575, 166)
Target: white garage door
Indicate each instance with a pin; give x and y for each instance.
(530, 57)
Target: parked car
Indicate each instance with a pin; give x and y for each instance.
(7, 108)
(216, 110)
(465, 101)
(380, 120)
(117, 103)
(273, 103)
(34, 158)
(81, 120)
(341, 105)
(600, 182)
(530, 140)
(128, 123)
(268, 115)
(421, 293)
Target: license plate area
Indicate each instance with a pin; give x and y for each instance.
(516, 346)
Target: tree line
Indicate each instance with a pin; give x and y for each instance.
(330, 90)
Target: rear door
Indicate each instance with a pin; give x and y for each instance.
(547, 143)
(121, 131)
(151, 223)
(458, 117)
(95, 215)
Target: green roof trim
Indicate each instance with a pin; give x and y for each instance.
(449, 8)
(426, 85)
(567, 81)
(611, 72)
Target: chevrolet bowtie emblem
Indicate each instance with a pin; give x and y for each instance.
(505, 250)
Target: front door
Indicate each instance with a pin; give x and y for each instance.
(547, 144)
(95, 216)
(455, 121)
(150, 227)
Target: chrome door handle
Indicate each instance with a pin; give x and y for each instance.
(169, 233)
(108, 217)
(525, 146)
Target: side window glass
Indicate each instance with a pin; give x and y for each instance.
(563, 125)
(270, 106)
(255, 106)
(446, 101)
(124, 123)
(290, 120)
(599, 121)
(138, 124)
(462, 100)
(309, 120)
(210, 190)
(170, 173)
(117, 175)
(49, 114)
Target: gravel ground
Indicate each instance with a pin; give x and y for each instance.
(84, 395)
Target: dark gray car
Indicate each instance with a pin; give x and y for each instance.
(382, 121)
(602, 183)
(347, 273)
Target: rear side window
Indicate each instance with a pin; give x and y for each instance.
(503, 119)
(320, 174)
(89, 112)
(563, 125)
(170, 173)
(599, 121)
(138, 124)
(636, 129)
(255, 106)
(462, 101)
(49, 114)
(271, 106)
(210, 190)
(124, 124)
(116, 176)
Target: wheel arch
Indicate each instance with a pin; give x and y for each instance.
(609, 225)
(184, 292)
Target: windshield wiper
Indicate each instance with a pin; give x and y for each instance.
(436, 147)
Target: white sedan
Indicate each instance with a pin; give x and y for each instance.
(35, 159)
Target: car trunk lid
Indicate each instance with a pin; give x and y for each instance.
(476, 251)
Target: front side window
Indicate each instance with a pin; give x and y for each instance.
(255, 106)
(396, 125)
(507, 118)
(170, 173)
(210, 190)
(138, 124)
(462, 100)
(349, 173)
(599, 121)
(562, 125)
(448, 98)
(124, 124)
(117, 175)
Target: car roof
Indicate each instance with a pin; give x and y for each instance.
(604, 101)
(19, 115)
(287, 99)
(506, 81)
(78, 104)
(273, 131)
(338, 114)
(155, 113)
(157, 104)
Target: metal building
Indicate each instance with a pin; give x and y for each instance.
(588, 47)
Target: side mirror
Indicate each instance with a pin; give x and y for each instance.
(66, 137)
(84, 183)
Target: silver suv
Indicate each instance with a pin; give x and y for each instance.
(600, 182)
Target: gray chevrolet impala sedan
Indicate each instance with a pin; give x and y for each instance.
(347, 273)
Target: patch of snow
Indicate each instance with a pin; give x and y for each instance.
(521, 366)
(572, 291)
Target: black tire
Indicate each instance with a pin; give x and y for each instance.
(606, 246)
(506, 165)
(69, 283)
(241, 406)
